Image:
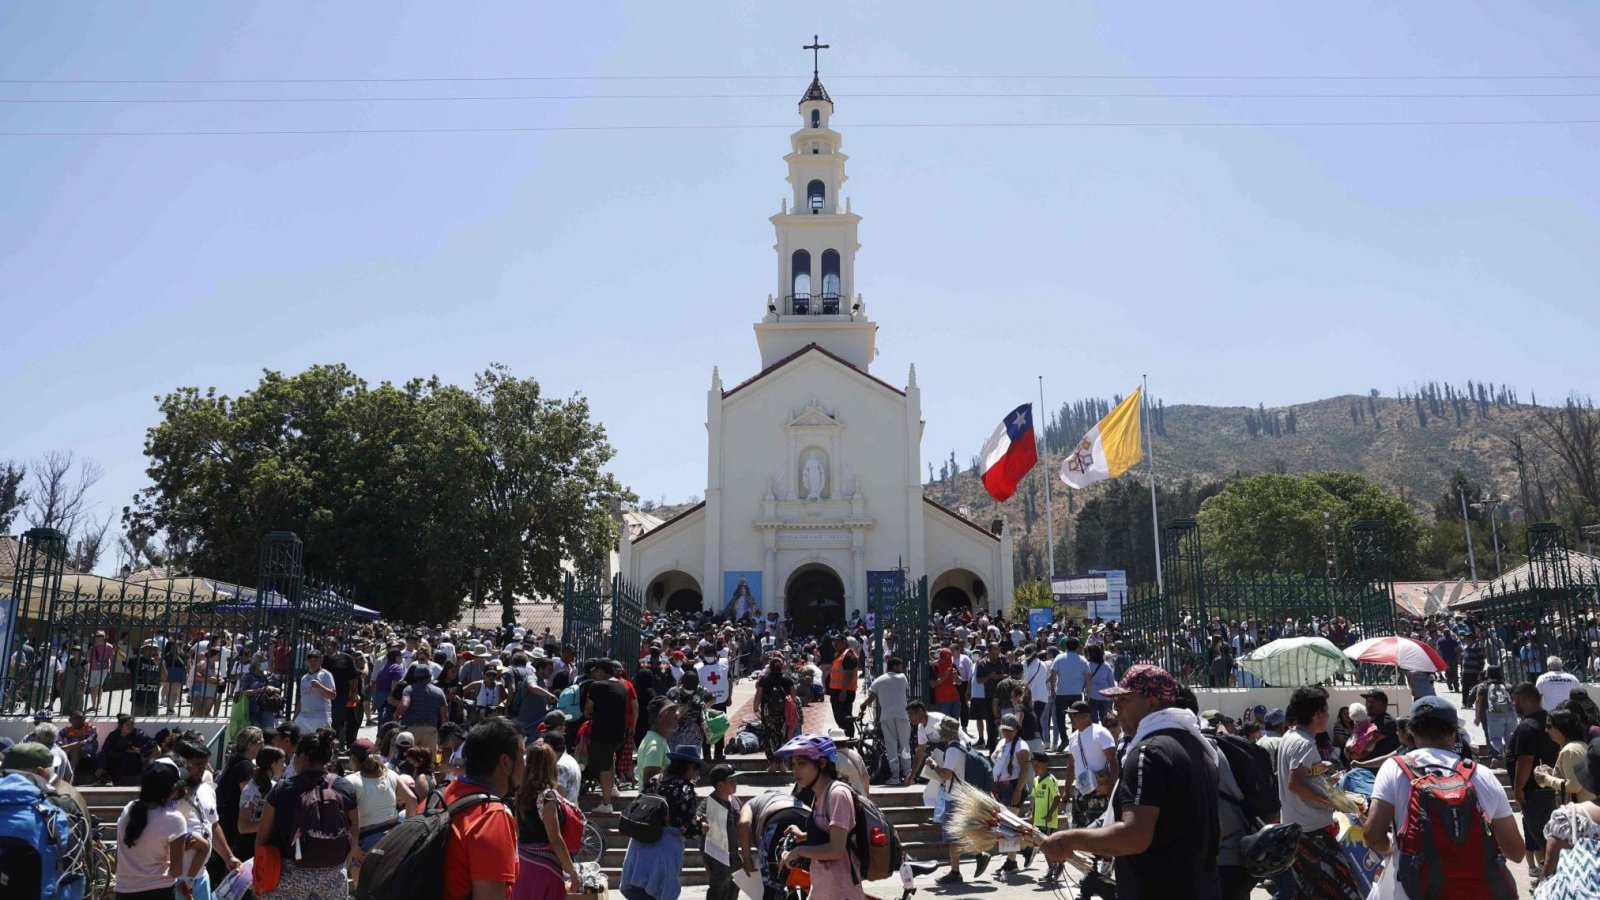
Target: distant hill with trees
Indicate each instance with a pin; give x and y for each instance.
(1417, 445)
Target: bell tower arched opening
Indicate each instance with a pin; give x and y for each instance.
(814, 599)
(800, 283)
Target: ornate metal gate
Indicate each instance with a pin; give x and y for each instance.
(627, 621)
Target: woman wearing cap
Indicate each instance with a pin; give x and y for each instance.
(1010, 759)
(381, 795)
(152, 838)
(833, 817)
(654, 871)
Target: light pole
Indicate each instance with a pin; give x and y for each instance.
(477, 599)
(1491, 504)
(1472, 559)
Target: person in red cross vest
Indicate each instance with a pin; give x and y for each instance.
(714, 678)
(843, 675)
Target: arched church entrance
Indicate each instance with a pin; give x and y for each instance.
(814, 599)
(675, 591)
(957, 589)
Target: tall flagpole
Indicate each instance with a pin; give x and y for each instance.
(1049, 510)
(1150, 439)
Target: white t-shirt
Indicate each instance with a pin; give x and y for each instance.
(1392, 785)
(569, 777)
(143, 866)
(1089, 748)
(928, 732)
(1555, 687)
(375, 797)
(200, 814)
(714, 678)
(1004, 760)
(312, 704)
(955, 759)
(1036, 675)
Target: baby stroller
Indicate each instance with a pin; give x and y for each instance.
(771, 815)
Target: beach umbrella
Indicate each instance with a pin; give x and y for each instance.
(1296, 661)
(1410, 655)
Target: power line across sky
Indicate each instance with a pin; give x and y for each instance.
(831, 77)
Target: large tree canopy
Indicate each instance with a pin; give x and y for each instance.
(400, 492)
(1283, 523)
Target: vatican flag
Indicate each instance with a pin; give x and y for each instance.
(1110, 448)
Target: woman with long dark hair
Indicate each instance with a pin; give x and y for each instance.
(545, 870)
(236, 773)
(270, 765)
(314, 860)
(152, 838)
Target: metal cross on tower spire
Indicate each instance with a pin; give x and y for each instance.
(816, 49)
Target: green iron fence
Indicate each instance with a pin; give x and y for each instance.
(1549, 610)
(900, 603)
(602, 616)
(1180, 629)
(82, 643)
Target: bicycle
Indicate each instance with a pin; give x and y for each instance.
(593, 848)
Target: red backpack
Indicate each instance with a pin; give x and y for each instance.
(1446, 850)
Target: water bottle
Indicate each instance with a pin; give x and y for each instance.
(908, 880)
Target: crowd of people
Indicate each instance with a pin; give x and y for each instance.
(1156, 799)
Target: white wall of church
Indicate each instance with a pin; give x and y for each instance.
(955, 545)
(756, 452)
(680, 546)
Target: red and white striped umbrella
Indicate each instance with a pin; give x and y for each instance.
(1410, 655)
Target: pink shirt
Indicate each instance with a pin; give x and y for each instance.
(100, 655)
(831, 878)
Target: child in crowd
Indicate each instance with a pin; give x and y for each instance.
(722, 831)
(1047, 801)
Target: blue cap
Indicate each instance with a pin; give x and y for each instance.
(1436, 709)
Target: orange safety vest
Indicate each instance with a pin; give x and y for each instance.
(840, 678)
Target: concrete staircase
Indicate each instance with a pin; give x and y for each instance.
(903, 806)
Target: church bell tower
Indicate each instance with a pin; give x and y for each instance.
(816, 302)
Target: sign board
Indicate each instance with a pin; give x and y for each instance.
(1100, 593)
(882, 587)
(1116, 593)
(1039, 618)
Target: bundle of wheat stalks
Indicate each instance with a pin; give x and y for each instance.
(978, 822)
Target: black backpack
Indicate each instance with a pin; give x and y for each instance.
(1252, 770)
(409, 861)
(645, 819)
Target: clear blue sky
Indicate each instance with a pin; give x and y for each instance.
(1234, 264)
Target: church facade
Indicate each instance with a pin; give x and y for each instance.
(814, 464)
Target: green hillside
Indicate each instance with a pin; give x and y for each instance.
(1411, 446)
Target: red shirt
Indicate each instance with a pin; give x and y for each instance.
(947, 692)
(483, 843)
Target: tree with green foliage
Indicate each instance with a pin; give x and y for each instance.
(12, 496)
(1280, 523)
(1113, 531)
(399, 492)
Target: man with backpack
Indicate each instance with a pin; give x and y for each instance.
(1244, 781)
(1493, 710)
(955, 759)
(46, 835)
(1439, 803)
(1164, 832)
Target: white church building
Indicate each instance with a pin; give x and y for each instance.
(814, 464)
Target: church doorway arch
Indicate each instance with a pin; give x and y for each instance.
(957, 589)
(675, 591)
(950, 598)
(814, 599)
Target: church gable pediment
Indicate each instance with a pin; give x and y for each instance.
(814, 416)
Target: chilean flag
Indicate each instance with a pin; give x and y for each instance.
(1009, 453)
